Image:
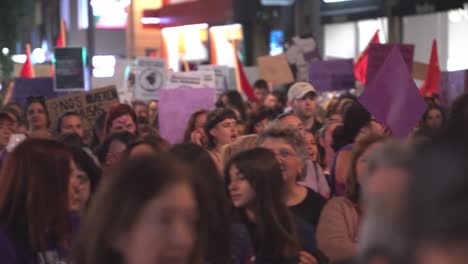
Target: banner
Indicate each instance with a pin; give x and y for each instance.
(378, 54)
(150, 77)
(89, 104)
(193, 79)
(332, 75)
(37, 87)
(70, 70)
(275, 69)
(176, 106)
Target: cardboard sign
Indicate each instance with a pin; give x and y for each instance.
(70, 70)
(89, 104)
(176, 106)
(378, 54)
(193, 79)
(275, 69)
(150, 77)
(221, 74)
(332, 75)
(37, 87)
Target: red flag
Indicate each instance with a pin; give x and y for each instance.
(62, 37)
(244, 83)
(431, 86)
(27, 71)
(360, 67)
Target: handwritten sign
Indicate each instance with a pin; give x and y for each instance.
(150, 77)
(176, 106)
(332, 75)
(221, 75)
(70, 70)
(378, 54)
(89, 104)
(193, 79)
(275, 69)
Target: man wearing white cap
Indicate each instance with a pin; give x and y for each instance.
(302, 97)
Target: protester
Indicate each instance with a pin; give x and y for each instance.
(259, 120)
(271, 101)
(233, 100)
(194, 132)
(325, 140)
(84, 178)
(256, 187)
(121, 117)
(98, 131)
(302, 97)
(241, 144)
(111, 152)
(153, 113)
(70, 122)
(432, 120)
(6, 129)
(384, 191)
(261, 90)
(338, 229)
(223, 240)
(18, 125)
(357, 122)
(289, 147)
(220, 129)
(141, 111)
(149, 145)
(313, 176)
(146, 217)
(435, 215)
(35, 223)
(241, 128)
(38, 118)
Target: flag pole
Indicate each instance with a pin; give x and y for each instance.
(236, 66)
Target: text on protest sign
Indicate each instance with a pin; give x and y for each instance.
(69, 69)
(194, 79)
(88, 104)
(150, 77)
(222, 75)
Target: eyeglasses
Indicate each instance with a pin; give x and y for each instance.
(228, 125)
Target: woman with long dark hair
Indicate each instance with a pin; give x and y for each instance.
(194, 132)
(35, 225)
(145, 213)
(38, 118)
(256, 188)
(223, 242)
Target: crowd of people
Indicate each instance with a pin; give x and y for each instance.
(281, 180)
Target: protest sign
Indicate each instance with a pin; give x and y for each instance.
(221, 74)
(378, 54)
(393, 98)
(193, 79)
(150, 77)
(452, 85)
(122, 70)
(176, 106)
(332, 75)
(275, 69)
(89, 104)
(70, 70)
(37, 87)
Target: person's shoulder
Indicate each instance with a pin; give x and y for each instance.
(339, 203)
(313, 195)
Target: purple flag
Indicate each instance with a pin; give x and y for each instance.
(452, 84)
(378, 53)
(25, 88)
(332, 75)
(393, 98)
(176, 106)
